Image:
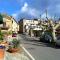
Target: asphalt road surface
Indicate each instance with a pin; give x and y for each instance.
(39, 50)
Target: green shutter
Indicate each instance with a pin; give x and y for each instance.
(1, 19)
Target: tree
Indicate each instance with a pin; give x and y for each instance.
(54, 27)
(1, 19)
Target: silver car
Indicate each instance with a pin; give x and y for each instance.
(58, 41)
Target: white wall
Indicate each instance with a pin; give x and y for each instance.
(14, 26)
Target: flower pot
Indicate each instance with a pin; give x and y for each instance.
(1, 54)
(12, 50)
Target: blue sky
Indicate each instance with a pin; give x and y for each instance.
(30, 8)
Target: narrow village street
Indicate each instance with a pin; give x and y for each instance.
(39, 50)
(30, 30)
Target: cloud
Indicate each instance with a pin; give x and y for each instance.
(25, 9)
(14, 15)
(33, 12)
(30, 11)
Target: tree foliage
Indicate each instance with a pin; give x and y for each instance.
(1, 19)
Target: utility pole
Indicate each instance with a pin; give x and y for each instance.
(46, 14)
(40, 19)
(54, 16)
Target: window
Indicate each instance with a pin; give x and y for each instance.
(12, 21)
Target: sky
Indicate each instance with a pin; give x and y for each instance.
(30, 8)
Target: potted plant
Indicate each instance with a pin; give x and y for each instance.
(14, 46)
(1, 36)
(9, 33)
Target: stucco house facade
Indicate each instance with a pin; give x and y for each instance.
(9, 23)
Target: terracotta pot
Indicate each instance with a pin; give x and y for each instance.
(13, 50)
(2, 54)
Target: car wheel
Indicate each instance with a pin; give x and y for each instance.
(54, 44)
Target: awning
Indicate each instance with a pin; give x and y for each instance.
(37, 29)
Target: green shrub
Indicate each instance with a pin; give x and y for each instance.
(1, 36)
(15, 43)
(9, 33)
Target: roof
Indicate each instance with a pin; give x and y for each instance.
(14, 19)
(9, 17)
(6, 16)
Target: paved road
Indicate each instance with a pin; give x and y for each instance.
(39, 50)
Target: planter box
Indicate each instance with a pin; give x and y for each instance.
(13, 50)
(2, 54)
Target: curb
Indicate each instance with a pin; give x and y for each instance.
(29, 55)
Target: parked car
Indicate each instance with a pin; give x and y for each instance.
(46, 38)
(57, 42)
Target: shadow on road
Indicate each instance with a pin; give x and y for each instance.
(33, 41)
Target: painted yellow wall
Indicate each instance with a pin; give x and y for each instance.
(15, 26)
(8, 23)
